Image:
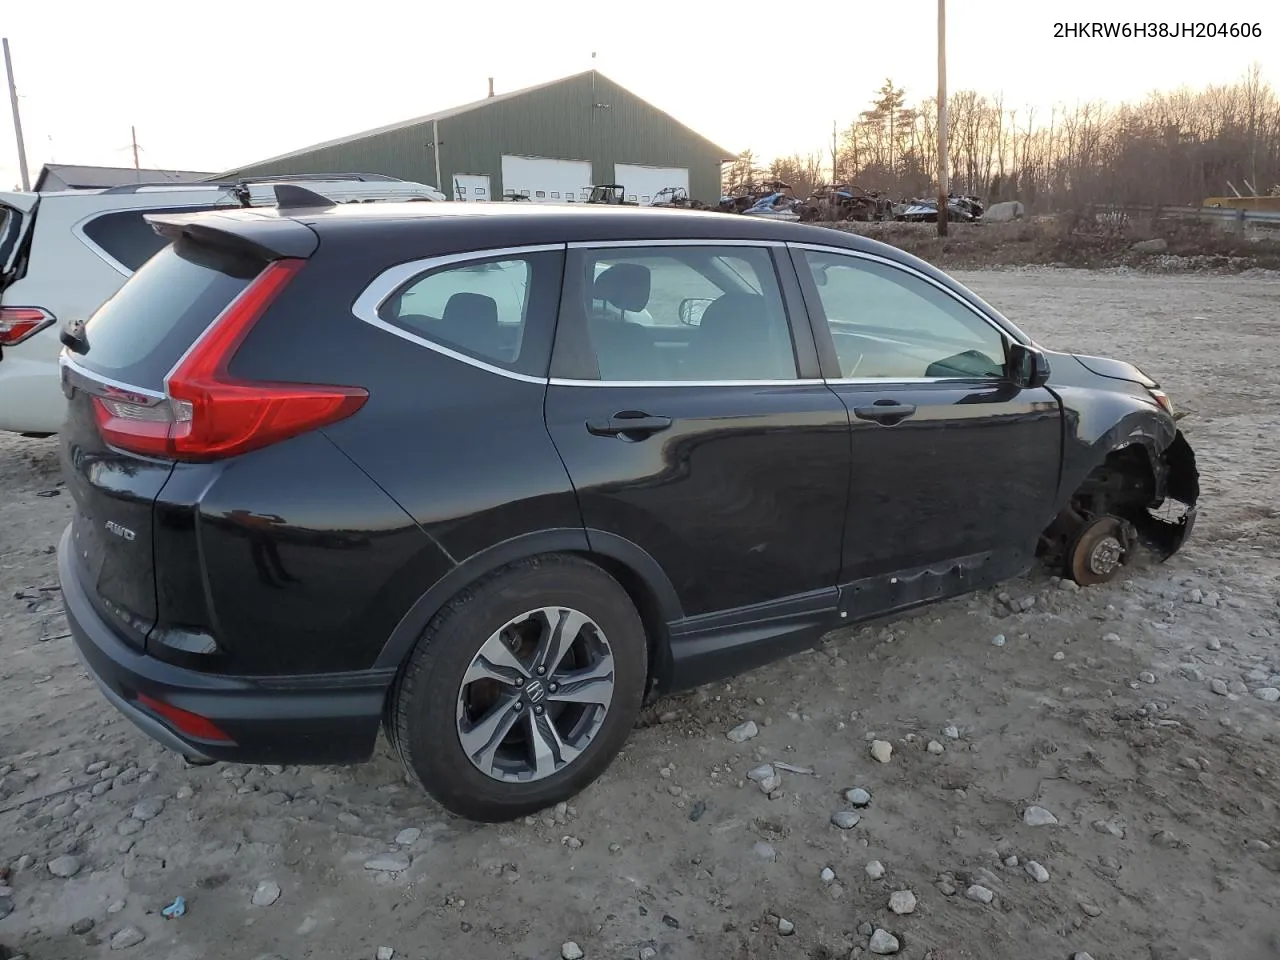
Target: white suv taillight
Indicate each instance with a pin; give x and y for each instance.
(19, 323)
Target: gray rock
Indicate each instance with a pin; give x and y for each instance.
(770, 784)
(882, 750)
(865, 928)
(741, 734)
(65, 866)
(858, 797)
(648, 953)
(126, 938)
(1114, 827)
(1269, 694)
(828, 875)
(947, 888)
(1213, 643)
(6, 907)
(998, 640)
(385, 953)
(979, 894)
(761, 773)
(902, 902)
(148, 809)
(185, 792)
(786, 927)
(82, 926)
(96, 767)
(1191, 672)
(935, 747)
(1011, 861)
(951, 732)
(1156, 245)
(267, 893)
(128, 828)
(1111, 638)
(571, 951)
(883, 943)
(388, 862)
(875, 869)
(408, 836)
(1059, 655)
(1146, 676)
(764, 851)
(1070, 586)
(1218, 686)
(1090, 910)
(1004, 212)
(1081, 956)
(1036, 872)
(1035, 816)
(845, 819)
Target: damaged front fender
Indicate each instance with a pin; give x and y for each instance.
(1165, 527)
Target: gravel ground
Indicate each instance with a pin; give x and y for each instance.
(1106, 780)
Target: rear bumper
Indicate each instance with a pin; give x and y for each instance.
(297, 719)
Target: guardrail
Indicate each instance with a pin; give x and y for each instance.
(1236, 214)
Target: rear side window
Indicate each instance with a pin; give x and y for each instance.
(492, 310)
(139, 335)
(126, 237)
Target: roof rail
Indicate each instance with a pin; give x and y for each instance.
(233, 181)
(368, 177)
(176, 184)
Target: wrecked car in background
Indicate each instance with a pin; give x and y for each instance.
(849, 202)
(925, 210)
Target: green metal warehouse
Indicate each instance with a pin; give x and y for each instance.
(549, 143)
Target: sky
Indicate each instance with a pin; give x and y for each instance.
(210, 90)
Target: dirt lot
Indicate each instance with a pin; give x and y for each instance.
(1134, 713)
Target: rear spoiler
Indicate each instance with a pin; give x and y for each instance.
(262, 235)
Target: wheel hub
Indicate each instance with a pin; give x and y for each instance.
(1105, 556)
(535, 695)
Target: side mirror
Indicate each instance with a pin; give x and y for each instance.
(692, 309)
(1028, 366)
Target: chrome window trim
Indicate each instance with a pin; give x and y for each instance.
(886, 261)
(86, 377)
(561, 382)
(390, 280)
(676, 242)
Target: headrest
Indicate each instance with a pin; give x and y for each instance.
(733, 314)
(625, 286)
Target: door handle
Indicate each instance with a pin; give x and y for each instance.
(628, 425)
(887, 412)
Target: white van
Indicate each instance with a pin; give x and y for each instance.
(62, 254)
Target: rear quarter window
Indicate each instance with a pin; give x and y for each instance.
(125, 236)
(139, 335)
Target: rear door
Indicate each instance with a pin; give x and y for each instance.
(17, 216)
(704, 435)
(129, 346)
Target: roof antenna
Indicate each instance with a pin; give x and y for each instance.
(290, 196)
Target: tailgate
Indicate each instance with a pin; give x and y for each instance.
(111, 526)
(115, 382)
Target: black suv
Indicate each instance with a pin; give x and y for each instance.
(490, 475)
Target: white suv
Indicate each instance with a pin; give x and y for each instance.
(63, 254)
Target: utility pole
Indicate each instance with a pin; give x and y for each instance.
(17, 120)
(133, 132)
(835, 153)
(943, 173)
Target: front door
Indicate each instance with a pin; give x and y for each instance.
(955, 469)
(686, 404)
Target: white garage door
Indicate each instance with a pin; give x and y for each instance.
(642, 183)
(543, 180)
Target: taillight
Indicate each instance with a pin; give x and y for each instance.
(19, 323)
(210, 414)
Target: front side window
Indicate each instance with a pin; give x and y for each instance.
(889, 324)
(674, 313)
(479, 308)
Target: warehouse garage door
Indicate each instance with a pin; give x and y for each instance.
(642, 183)
(544, 180)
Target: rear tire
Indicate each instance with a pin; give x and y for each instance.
(490, 736)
